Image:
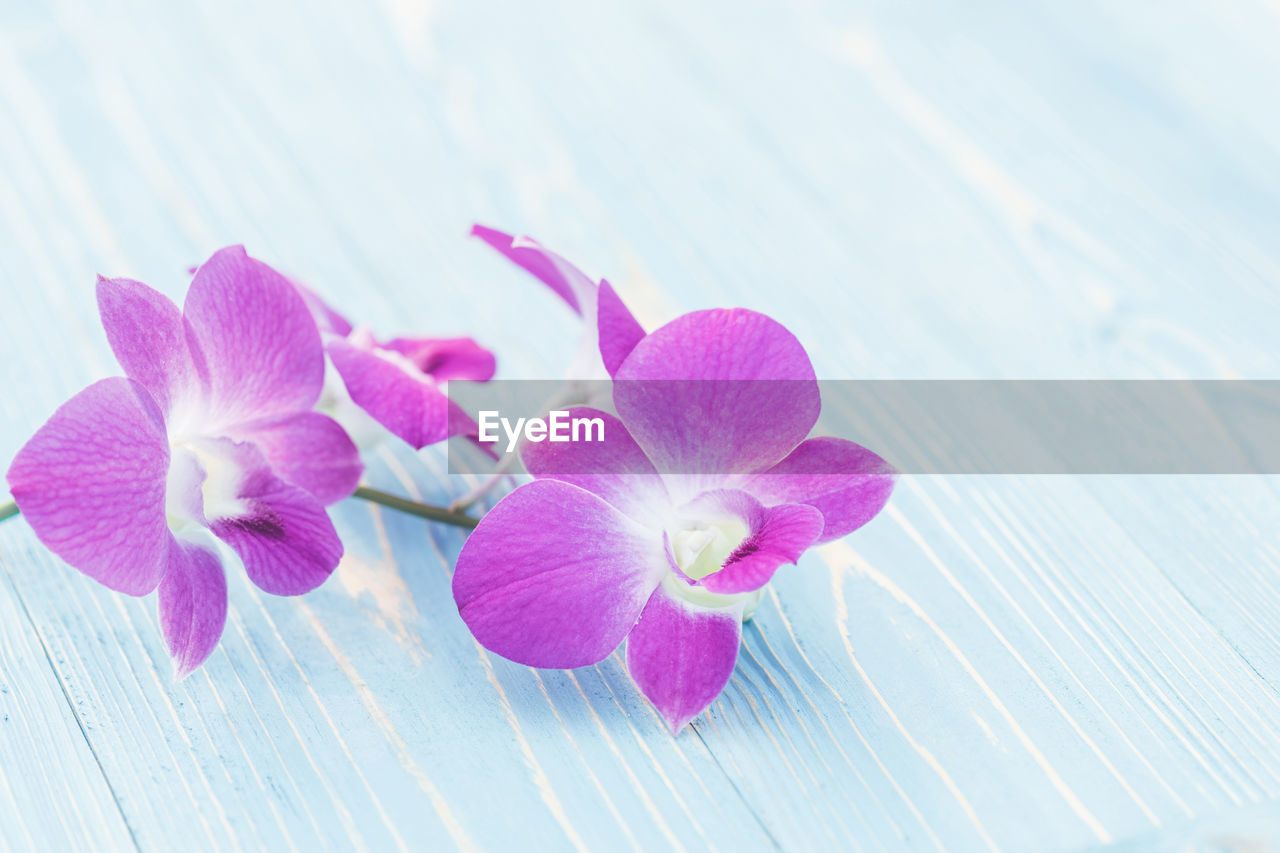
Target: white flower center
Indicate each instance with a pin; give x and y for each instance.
(700, 548)
(187, 495)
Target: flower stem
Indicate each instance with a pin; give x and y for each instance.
(8, 510)
(431, 513)
(470, 498)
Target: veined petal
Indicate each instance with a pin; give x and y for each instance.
(309, 450)
(393, 392)
(610, 329)
(616, 468)
(618, 329)
(261, 347)
(776, 535)
(146, 334)
(846, 482)
(717, 392)
(446, 358)
(555, 577)
(681, 654)
(192, 605)
(565, 280)
(91, 483)
(281, 532)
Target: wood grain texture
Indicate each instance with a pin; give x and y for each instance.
(918, 190)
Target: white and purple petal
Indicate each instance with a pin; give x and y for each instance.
(616, 468)
(681, 654)
(565, 280)
(147, 335)
(847, 483)
(394, 392)
(555, 577)
(618, 331)
(261, 346)
(309, 450)
(719, 392)
(610, 331)
(91, 483)
(192, 604)
(284, 537)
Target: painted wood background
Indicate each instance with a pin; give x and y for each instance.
(918, 190)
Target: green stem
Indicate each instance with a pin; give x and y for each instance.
(8, 510)
(431, 513)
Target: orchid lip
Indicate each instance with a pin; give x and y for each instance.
(700, 548)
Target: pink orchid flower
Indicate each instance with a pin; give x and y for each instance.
(610, 330)
(210, 436)
(399, 384)
(665, 533)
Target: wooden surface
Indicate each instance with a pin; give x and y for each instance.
(918, 190)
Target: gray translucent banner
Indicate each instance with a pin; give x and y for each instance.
(928, 426)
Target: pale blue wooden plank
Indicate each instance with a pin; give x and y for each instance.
(1011, 194)
(1249, 828)
(44, 754)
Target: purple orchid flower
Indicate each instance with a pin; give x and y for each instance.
(210, 437)
(665, 533)
(398, 385)
(611, 331)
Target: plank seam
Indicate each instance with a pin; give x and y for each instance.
(734, 785)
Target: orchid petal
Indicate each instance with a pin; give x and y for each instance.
(91, 483)
(192, 605)
(717, 392)
(555, 577)
(282, 533)
(446, 358)
(147, 335)
(681, 654)
(394, 393)
(309, 450)
(776, 535)
(260, 344)
(846, 482)
(616, 468)
(567, 281)
(618, 329)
